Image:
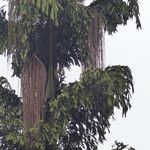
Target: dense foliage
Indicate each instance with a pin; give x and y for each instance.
(117, 12)
(80, 115)
(3, 29)
(76, 114)
(28, 30)
(10, 114)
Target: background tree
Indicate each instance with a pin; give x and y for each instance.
(43, 37)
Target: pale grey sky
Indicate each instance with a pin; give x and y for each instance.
(126, 47)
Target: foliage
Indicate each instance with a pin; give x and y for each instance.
(80, 116)
(30, 34)
(77, 115)
(28, 28)
(121, 146)
(117, 12)
(89, 112)
(3, 30)
(10, 114)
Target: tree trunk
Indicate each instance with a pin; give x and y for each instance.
(33, 82)
(96, 41)
(38, 86)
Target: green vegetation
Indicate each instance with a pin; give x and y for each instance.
(54, 33)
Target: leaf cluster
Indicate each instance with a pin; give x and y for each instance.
(29, 33)
(121, 146)
(82, 117)
(117, 12)
(75, 119)
(3, 30)
(10, 114)
(27, 30)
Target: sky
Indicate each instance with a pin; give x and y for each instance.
(128, 46)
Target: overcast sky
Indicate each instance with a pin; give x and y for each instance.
(126, 47)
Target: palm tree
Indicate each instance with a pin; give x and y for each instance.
(43, 37)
